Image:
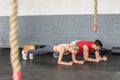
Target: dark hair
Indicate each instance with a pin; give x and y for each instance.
(98, 43)
(103, 51)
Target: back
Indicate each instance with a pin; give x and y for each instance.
(88, 44)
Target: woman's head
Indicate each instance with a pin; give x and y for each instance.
(74, 48)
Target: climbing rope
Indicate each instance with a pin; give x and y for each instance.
(14, 46)
(95, 16)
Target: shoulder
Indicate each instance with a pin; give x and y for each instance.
(85, 47)
(62, 46)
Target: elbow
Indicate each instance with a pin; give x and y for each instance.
(59, 62)
(74, 60)
(86, 59)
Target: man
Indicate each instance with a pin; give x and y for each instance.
(87, 48)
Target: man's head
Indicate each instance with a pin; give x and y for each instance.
(99, 44)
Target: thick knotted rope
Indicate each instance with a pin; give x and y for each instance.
(14, 45)
(95, 16)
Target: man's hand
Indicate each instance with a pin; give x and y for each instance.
(105, 58)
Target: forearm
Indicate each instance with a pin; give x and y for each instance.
(78, 62)
(91, 59)
(86, 55)
(64, 63)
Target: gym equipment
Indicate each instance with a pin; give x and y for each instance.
(115, 50)
(55, 55)
(103, 51)
(95, 16)
(14, 43)
(27, 47)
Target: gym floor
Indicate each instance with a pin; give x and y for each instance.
(45, 67)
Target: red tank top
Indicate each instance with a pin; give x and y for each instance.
(88, 44)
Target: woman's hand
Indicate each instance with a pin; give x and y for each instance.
(78, 62)
(70, 63)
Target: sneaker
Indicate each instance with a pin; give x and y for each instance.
(24, 55)
(31, 56)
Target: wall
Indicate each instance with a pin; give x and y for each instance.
(58, 7)
(58, 21)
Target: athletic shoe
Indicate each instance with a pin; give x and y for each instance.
(24, 55)
(31, 56)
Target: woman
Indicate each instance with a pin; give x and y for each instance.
(61, 49)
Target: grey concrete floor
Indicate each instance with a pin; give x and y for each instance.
(45, 67)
